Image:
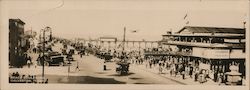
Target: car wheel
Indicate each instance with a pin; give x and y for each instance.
(46, 64)
(61, 64)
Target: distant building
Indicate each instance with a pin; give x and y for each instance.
(16, 42)
(30, 37)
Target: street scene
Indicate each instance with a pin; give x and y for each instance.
(115, 48)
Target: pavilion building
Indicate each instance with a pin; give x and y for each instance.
(217, 49)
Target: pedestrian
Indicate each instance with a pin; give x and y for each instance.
(202, 76)
(38, 59)
(34, 50)
(171, 69)
(77, 66)
(216, 76)
(207, 75)
(35, 64)
(81, 53)
(182, 71)
(147, 63)
(150, 64)
(196, 75)
(28, 62)
(191, 71)
(160, 68)
(176, 69)
(183, 74)
(104, 66)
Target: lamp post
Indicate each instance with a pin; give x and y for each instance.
(43, 57)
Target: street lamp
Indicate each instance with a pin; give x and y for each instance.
(43, 57)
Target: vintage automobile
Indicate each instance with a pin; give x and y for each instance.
(69, 57)
(54, 54)
(123, 68)
(55, 61)
(52, 59)
(107, 57)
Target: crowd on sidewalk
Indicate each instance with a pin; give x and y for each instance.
(174, 66)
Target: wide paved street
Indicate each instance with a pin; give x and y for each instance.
(91, 72)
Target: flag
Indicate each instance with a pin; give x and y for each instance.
(120, 45)
(134, 31)
(185, 17)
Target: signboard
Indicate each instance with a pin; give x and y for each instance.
(211, 53)
(216, 53)
(198, 52)
(237, 53)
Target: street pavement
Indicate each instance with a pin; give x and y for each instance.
(91, 72)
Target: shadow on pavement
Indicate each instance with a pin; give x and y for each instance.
(100, 72)
(135, 78)
(142, 83)
(81, 80)
(119, 75)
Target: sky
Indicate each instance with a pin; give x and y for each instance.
(151, 18)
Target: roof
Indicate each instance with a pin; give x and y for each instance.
(17, 20)
(198, 29)
(206, 45)
(221, 35)
(108, 37)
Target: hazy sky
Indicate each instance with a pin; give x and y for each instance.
(151, 18)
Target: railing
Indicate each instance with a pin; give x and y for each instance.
(200, 44)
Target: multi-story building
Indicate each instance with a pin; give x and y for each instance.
(211, 48)
(16, 42)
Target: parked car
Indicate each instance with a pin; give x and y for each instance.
(55, 61)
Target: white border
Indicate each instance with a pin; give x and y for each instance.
(6, 86)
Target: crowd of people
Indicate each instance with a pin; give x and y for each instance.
(173, 65)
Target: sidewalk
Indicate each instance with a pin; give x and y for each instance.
(178, 78)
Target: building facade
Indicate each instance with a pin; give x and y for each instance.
(17, 42)
(215, 49)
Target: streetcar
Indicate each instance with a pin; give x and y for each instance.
(123, 68)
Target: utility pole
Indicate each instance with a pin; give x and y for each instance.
(43, 52)
(43, 57)
(124, 36)
(50, 36)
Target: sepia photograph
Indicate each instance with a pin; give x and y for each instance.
(186, 43)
